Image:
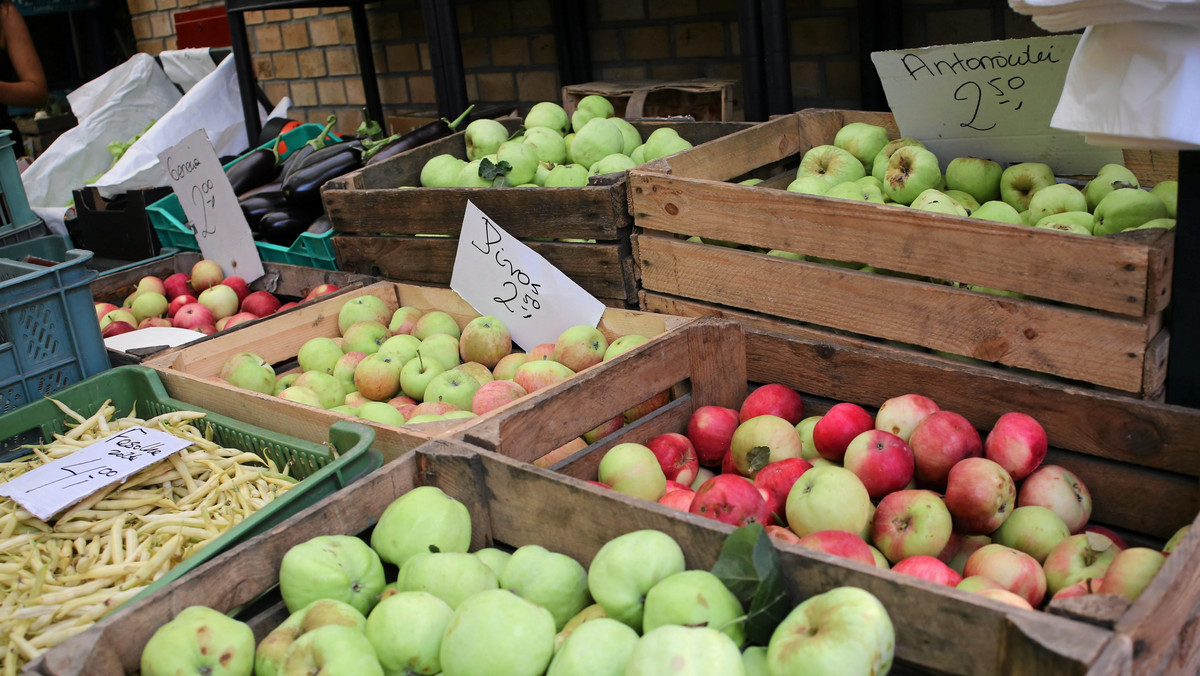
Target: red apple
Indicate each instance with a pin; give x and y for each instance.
(193, 316)
(207, 329)
(1016, 571)
(178, 284)
(731, 499)
(239, 318)
(600, 484)
(928, 568)
(206, 274)
(239, 286)
(781, 533)
(881, 460)
(149, 322)
(116, 328)
(1004, 596)
(1059, 490)
(544, 351)
(676, 486)
(940, 441)
(777, 479)
(838, 427)
(839, 543)
(1018, 443)
(261, 303)
(676, 455)
(728, 466)
(104, 308)
(1092, 585)
(178, 302)
(967, 545)
(494, 394)
(909, 523)
(321, 290)
(647, 407)
(980, 495)
(901, 415)
(774, 399)
(679, 499)
(1107, 533)
(710, 429)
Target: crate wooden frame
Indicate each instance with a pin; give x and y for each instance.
(190, 372)
(704, 99)
(1101, 320)
(377, 223)
(1156, 462)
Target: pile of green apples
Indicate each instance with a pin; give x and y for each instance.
(551, 150)
(635, 611)
(410, 366)
(863, 163)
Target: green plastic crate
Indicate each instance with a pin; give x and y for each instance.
(314, 251)
(321, 471)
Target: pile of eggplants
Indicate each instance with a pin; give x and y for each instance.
(282, 199)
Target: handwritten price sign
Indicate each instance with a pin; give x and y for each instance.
(501, 276)
(212, 209)
(51, 488)
(988, 99)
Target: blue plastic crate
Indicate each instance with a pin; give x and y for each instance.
(49, 336)
(315, 251)
(15, 214)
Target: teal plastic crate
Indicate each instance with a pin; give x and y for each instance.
(55, 248)
(15, 213)
(322, 469)
(314, 251)
(49, 336)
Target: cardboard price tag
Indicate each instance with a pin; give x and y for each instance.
(500, 276)
(207, 198)
(988, 99)
(51, 488)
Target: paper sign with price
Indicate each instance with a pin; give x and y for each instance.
(51, 488)
(211, 206)
(988, 99)
(500, 276)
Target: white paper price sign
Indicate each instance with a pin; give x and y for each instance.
(501, 276)
(51, 488)
(204, 192)
(988, 99)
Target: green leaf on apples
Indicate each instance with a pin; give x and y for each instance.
(490, 171)
(758, 458)
(749, 566)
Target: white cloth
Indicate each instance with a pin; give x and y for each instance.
(1068, 15)
(186, 67)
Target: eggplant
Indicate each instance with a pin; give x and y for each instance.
(258, 168)
(300, 155)
(321, 225)
(303, 188)
(257, 206)
(273, 186)
(419, 137)
(283, 226)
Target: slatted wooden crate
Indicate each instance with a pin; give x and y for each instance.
(193, 369)
(1093, 311)
(1137, 458)
(702, 99)
(378, 224)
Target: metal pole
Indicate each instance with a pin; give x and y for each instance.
(754, 99)
(1183, 359)
(366, 61)
(245, 74)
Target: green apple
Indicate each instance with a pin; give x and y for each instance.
(579, 347)
(485, 340)
(497, 633)
(496, 559)
(1032, 529)
(828, 498)
(364, 308)
(1027, 218)
(610, 164)
(938, 202)
(149, 304)
(380, 412)
(1168, 192)
(879, 165)
(402, 346)
(248, 371)
(1131, 571)
(809, 185)
(1176, 538)
(567, 176)
(468, 176)
(627, 567)
(623, 344)
(1126, 208)
(547, 144)
(406, 631)
(404, 319)
(365, 337)
(632, 137)
(1019, 182)
(284, 381)
(332, 650)
(269, 654)
(344, 369)
(790, 255)
(1056, 199)
(327, 388)
(754, 660)
(1079, 222)
(554, 581)
(633, 469)
(1163, 223)
(808, 450)
(963, 199)
(686, 651)
(978, 177)
(435, 322)
(596, 140)
(441, 171)
(832, 163)
(301, 395)
(550, 115)
(853, 190)
(199, 640)
(522, 159)
(694, 598)
(911, 170)
(862, 140)
(340, 567)
(419, 519)
(1110, 177)
(846, 630)
(589, 107)
(454, 387)
(662, 142)
(995, 210)
(483, 137)
(598, 647)
(1077, 558)
(451, 576)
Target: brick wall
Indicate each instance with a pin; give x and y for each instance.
(509, 52)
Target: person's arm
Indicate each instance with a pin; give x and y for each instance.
(30, 90)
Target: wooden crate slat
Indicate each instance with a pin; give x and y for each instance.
(1128, 274)
(1074, 344)
(1086, 421)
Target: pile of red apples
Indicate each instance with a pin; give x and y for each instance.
(206, 300)
(913, 488)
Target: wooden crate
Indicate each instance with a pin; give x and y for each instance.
(378, 224)
(288, 282)
(1094, 306)
(1120, 447)
(514, 504)
(703, 99)
(193, 369)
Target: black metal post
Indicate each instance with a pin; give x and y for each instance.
(245, 74)
(445, 51)
(366, 61)
(1183, 359)
(777, 57)
(880, 28)
(754, 99)
(571, 40)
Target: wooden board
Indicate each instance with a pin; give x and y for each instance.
(702, 99)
